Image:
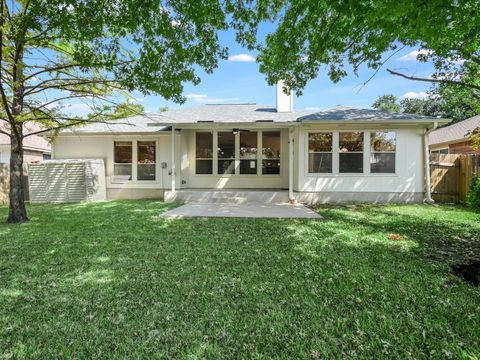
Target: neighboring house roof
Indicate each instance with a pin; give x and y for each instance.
(240, 113)
(33, 142)
(455, 132)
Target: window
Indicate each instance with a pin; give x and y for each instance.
(320, 146)
(146, 160)
(271, 152)
(226, 153)
(122, 167)
(440, 151)
(351, 152)
(382, 153)
(45, 156)
(204, 153)
(248, 152)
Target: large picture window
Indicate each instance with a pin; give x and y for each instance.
(248, 152)
(382, 152)
(320, 148)
(226, 152)
(351, 152)
(271, 152)
(204, 153)
(146, 160)
(122, 163)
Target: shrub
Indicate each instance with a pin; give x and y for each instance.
(473, 196)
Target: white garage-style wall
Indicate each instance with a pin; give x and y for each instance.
(405, 185)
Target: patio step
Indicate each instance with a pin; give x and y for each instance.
(227, 196)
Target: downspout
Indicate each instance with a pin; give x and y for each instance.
(428, 185)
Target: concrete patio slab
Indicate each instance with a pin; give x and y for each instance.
(250, 210)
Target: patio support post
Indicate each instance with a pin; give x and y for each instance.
(291, 141)
(173, 159)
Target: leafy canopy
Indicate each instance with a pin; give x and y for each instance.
(312, 34)
(97, 52)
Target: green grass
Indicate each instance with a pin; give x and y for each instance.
(113, 279)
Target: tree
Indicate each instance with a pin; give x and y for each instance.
(57, 52)
(387, 103)
(315, 34)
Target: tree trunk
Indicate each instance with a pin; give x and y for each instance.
(17, 212)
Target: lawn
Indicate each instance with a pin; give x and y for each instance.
(113, 279)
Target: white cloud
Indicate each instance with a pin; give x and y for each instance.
(412, 55)
(415, 95)
(242, 58)
(203, 98)
(312, 108)
(196, 97)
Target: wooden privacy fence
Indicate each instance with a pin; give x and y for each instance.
(451, 176)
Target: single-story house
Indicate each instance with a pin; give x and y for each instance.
(36, 148)
(338, 155)
(453, 139)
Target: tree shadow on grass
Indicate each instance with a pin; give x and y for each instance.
(115, 278)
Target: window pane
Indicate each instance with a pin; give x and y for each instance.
(204, 153)
(271, 144)
(122, 167)
(382, 163)
(382, 141)
(204, 167)
(248, 152)
(123, 152)
(226, 166)
(320, 142)
(248, 166)
(146, 160)
(351, 162)
(226, 145)
(248, 145)
(204, 145)
(320, 163)
(351, 141)
(271, 167)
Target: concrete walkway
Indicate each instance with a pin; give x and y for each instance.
(250, 210)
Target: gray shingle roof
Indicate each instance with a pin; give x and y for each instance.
(238, 113)
(455, 132)
(346, 113)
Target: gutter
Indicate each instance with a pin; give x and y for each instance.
(428, 182)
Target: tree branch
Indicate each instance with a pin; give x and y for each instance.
(441, 81)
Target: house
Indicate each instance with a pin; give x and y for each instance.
(453, 139)
(36, 148)
(251, 151)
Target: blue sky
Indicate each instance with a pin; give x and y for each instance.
(238, 80)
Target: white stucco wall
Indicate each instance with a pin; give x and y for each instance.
(407, 179)
(101, 146)
(407, 182)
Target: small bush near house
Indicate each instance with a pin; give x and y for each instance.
(473, 197)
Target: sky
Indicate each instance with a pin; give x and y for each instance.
(238, 80)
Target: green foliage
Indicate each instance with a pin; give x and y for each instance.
(474, 138)
(452, 106)
(314, 35)
(115, 280)
(473, 196)
(387, 103)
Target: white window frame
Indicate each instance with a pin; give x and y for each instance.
(336, 154)
(259, 157)
(372, 151)
(320, 152)
(135, 161)
(363, 152)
